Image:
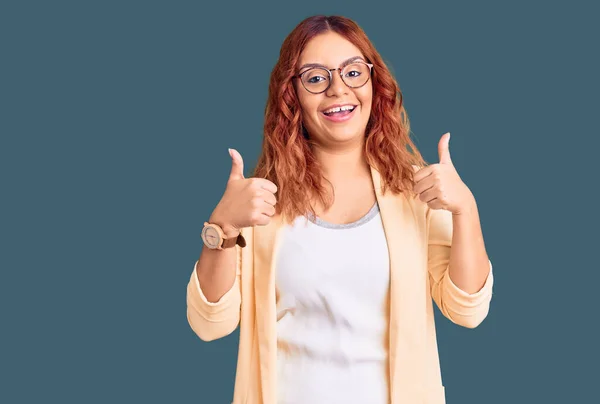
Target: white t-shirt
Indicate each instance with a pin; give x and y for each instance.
(332, 312)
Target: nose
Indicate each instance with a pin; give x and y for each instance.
(337, 87)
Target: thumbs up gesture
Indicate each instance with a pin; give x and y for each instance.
(246, 202)
(440, 186)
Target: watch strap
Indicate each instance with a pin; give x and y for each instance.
(230, 242)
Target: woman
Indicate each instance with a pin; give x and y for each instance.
(329, 258)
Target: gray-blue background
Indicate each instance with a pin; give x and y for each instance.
(115, 122)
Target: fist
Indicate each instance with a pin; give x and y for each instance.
(440, 186)
(246, 202)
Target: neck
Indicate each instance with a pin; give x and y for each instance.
(343, 165)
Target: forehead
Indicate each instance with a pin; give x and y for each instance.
(329, 49)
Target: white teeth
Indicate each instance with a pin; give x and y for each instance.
(339, 109)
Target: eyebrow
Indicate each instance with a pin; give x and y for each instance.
(310, 65)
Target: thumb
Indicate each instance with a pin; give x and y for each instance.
(237, 165)
(444, 149)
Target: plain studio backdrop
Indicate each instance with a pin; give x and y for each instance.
(115, 119)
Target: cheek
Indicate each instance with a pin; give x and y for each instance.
(310, 108)
(367, 103)
(366, 98)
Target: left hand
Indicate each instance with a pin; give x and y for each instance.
(440, 186)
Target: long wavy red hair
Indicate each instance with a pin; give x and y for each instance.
(287, 158)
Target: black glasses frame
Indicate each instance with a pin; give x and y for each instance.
(330, 71)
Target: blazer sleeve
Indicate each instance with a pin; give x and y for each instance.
(460, 307)
(214, 320)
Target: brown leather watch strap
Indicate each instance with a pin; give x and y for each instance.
(230, 242)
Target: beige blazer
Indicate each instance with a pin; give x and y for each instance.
(419, 241)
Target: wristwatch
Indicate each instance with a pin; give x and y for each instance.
(214, 237)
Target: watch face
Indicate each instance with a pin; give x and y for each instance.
(211, 237)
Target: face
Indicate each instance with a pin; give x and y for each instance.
(329, 130)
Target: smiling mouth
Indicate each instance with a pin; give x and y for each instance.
(341, 112)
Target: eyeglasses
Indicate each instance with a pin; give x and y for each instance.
(318, 79)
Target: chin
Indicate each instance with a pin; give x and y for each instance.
(339, 133)
(346, 135)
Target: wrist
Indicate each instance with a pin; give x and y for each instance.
(228, 228)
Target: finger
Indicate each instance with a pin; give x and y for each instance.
(423, 180)
(424, 185)
(428, 196)
(266, 184)
(423, 173)
(268, 210)
(444, 149)
(435, 204)
(269, 198)
(237, 165)
(263, 220)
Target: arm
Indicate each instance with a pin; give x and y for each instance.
(213, 292)
(214, 296)
(460, 272)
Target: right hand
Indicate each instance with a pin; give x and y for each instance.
(246, 202)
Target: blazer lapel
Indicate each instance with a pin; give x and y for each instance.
(265, 248)
(407, 297)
